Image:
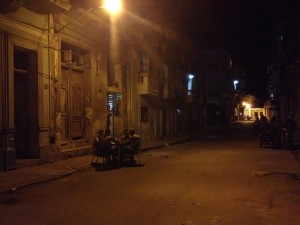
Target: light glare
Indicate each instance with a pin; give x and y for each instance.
(191, 76)
(235, 83)
(112, 6)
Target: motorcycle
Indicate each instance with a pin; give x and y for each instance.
(285, 138)
(268, 136)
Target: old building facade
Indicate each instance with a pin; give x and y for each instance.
(68, 71)
(284, 70)
(219, 87)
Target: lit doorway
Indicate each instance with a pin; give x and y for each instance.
(113, 110)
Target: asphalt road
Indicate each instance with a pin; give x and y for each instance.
(222, 178)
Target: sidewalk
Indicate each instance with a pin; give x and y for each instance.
(35, 172)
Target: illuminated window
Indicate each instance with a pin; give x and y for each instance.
(114, 103)
(235, 84)
(190, 84)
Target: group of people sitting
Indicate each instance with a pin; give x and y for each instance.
(117, 149)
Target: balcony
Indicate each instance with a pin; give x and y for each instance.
(48, 6)
(168, 90)
(148, 85)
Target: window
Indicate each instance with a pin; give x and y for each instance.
(190, 84)
(114, 102)
(144, 114)
(144, 63)
(110, 73)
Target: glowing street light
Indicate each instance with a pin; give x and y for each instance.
(235, 83)
(191, 76)
(113, 6)
(247, 106)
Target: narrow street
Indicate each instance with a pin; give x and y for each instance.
(222, 178)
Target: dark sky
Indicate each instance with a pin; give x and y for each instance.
(241, 27)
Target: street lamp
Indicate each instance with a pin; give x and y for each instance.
(248, 108)
(113, 6)
(235, 83)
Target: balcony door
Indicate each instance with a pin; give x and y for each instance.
(71, 105)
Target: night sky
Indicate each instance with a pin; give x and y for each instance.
(241, 27)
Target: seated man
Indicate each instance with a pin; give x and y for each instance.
(134, 139)
(124, 139)
(130, 145)
(102, 146)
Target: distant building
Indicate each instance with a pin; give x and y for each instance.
(250, 108)
(284, 70)
(219, 87)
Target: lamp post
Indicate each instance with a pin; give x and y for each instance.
(113, 7)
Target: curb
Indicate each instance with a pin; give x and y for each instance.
(83, 168)
(56, 177)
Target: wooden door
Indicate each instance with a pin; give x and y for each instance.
(76, 105)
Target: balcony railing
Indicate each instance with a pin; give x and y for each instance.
(48, 6)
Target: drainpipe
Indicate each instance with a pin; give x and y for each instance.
(4, 99)
(49, 73)
(5, 118)
(130, 88)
